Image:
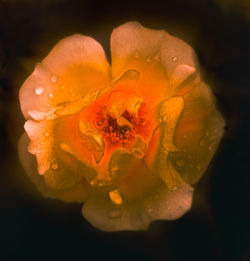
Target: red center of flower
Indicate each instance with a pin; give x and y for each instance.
(123, 128)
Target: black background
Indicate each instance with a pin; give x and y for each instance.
(217, 227)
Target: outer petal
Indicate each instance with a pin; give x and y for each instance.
(165, 62)
(197, 135)
(169, 204)
(162, 203)
(131, 40)
(74, 67)
(77, 193)
(102, 213)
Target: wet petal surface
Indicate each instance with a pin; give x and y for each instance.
(127, 140)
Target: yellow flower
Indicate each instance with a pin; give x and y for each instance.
(129, 139)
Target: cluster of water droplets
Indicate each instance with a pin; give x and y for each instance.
(39, 90)
(156, 57)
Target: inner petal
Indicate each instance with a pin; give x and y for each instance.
(119, 119)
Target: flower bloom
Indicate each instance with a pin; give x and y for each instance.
(129, 139)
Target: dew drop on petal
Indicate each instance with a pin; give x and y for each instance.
(137, 54)
(211, 147)
(180, 163)
(51, 95)
(115, 213)
(115, 196)
(174, 58)
(198, 167)
(202, 142)
(157, 57)
(54, 166)
(174, 188)
(138, 153)
(65, 147)
(53, 79)
(39, 90)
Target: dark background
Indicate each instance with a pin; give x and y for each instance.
(217, 227)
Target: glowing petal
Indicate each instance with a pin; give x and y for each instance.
(103, 214)
(78, 193)
(74, 67)
(133, 177)
(198, 134)
(169, 204)
(41, 136)
(136, 47)
(158, 56)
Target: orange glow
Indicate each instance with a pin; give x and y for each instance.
(120, 138)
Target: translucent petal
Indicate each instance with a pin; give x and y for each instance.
(41, 143)
(77, 193)
(74, 67)
(103, 214)
(131, 42)
(136, 47)
(134, 179)
(169, 204)
(167, 64)
(197, 135)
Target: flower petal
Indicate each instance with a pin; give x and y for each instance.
(131, 40)
(74, 67)
(197, 135)
(168, 204)
(135, 179)
(167, 64)
(103, 214)
(77, 193)
(136, 47)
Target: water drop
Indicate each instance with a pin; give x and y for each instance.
(198, 167)
(157, 57)
(202, 142)
(54, 166)
(174, 188)
(174, 58)
(180, 163)
(115, 196)
(39, 115)
(138, 153)
(211, 147)
(53, 79)
(115, 213)
(65, 147)
(39, 90)
(114, 172)
(51, 95)
(136, 54)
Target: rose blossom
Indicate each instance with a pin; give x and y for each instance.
(129, 139)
